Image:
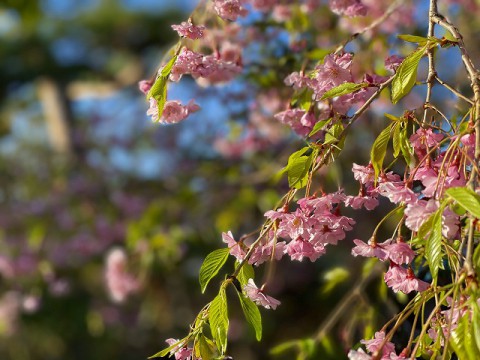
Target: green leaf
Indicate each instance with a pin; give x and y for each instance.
(246, 272)
(379, 149)
(396, 140)
(211, 266)
(343, 89)
(303, 99)
(318, 126)
(334, 277)
(467, 199)
(333, 134)
(204, 348)
(252, 314)
(433, 245)
(392, 117)
(476, 323)
(158, 91)
(406, 74)
(297, 168)
(405, 147)
(414, 39)
(218, 319)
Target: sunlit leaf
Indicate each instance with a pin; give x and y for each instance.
(406, 74)
(379, 149)
(466, 198)
(211, 266)
(343, 89)
(252, 314)
(218, 319)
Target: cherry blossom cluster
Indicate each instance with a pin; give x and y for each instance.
(375, 347)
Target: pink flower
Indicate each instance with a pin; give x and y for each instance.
(299, 248)
(358, 355)
(334, 71)
(145, 86)
(173, 111)
(119, 282)
(181, 352)
(393, 62)
(418, 212)
(348, 7)
(356, 202)
(229, 9)
(375, 345)
(264, 5)
(297, 80)
(369, 250)
(234, 247)
(271, 250)
(400, 253)
(257, 296)
(188, 30)
(397, 192)
(400, 279)
(364, 174)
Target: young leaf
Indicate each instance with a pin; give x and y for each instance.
(343, 89)
(158, 91)
(406, 74)
(318, 126)
(405, 146)
(467, 199)
(245, 273)
(333, 134)
(396, 140)
(414, 39)
(211, 265)
(433, 246)
(218, 318)
(204, 348)
(297, 168)
(379, 149)
(167, 350)
(252, 314)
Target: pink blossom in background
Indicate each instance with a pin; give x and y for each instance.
(173, 111)
(145, 86)
(393, 62)
(348, 7)
(229, 9)
(257, 296)
(188, 30)
(119, 282)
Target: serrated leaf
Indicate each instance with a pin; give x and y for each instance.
(211, 266)
(396, 140)
(467, 199)
(297, 168)
(406, 74)
(218, 319)
(158, 91)
(392, 117)
(245, 273)
(476, 324)
(252, 314)
(433, 245)
(204, 348)
(318, 126)
(420, 40)
(379, 149)
(343, 89)
(333, 134)
(405, 147)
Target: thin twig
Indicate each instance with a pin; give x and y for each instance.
(453, 90)
(432, 11)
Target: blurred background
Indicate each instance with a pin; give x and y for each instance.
(88, 183)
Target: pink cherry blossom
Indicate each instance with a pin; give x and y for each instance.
(188, 30)
(358, 355)
(400, 253)
(299, 248)
(145, 86)
(356, 202)
(364, 174)
(375, 345)
(393, 62)
(397, 192)
(400, 279)
(418, 212)
(229, 9)
(235, 247)
(369, 250)
(348, 7)
(257, 296)
(119, 282)
(267, 250)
